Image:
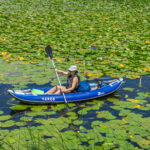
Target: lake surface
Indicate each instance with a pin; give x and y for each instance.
(127, 108)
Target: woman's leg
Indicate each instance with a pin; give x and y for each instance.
(52, 90)
(59, 90)
(56, 90)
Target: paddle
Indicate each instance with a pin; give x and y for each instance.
(48, 50)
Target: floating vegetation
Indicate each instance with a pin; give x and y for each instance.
(8, 123)
(19, 107)
(114, 42)
(5, 117)
(105, 114)
(113, 122)
(1, 112)
(100, 37)
(129, 89)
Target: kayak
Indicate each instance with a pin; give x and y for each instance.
(27, 96)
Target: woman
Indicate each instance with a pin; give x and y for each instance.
(73, 81)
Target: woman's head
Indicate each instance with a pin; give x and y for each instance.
(73, 69)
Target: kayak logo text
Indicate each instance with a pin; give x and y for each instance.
(100, 93)
(48, 98)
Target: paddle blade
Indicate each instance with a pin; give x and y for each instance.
(48, 50)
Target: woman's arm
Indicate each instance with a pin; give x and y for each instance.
(75, 81)
(61, 72)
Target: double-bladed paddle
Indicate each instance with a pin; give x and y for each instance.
(48, 50)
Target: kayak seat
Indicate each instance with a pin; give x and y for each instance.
(103, 84)
(84, 87)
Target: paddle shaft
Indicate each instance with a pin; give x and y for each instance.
(59, 80)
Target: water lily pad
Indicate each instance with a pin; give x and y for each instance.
(77, 122)
(113, 44)
(20, 124)
(8, 123)
(129, 89)
(25, 118)
(43, 121)
(19, 107)
(124, 112)
(72, 115)
(58, 107)
(82, 112)
(38, 108)
(5, 117)
(1, 112)
(71, 104)
(105, 114)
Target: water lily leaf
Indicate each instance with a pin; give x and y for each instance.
(124, 112)
(58, 107)
(25, 118)
(40, 113)
(82, 112)
(105, 114)
(19, 107)
(77, 122)
(71, 104)
(20, 124)
(111, 99)
(43, 121)
(1, 112)
(72, 115)
(96, 123)
(8, 123)
(82, 129)
(5, 117)
(38, 108)
(129, 89)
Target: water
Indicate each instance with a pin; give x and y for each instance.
(85, 117)
(7, 100)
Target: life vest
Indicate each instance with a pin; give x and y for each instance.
(70, 80)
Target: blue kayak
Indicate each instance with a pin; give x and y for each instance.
(26, 96)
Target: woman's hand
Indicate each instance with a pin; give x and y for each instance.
(60, 71)
(55, 70)
(65, 90)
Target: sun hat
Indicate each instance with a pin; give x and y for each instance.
(73, 68)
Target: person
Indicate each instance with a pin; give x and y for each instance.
(73, 81)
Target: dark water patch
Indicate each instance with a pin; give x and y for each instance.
(144, 113)
(134, 143)
(4, 97)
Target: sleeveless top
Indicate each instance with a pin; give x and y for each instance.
(70, 80)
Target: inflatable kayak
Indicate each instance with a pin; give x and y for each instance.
(27, 96)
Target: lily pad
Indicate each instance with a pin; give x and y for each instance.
(105, 114)
(5, 117)
(1, 112)
(19, 107)
(77, 122)
(129, 89)
(8, 123)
